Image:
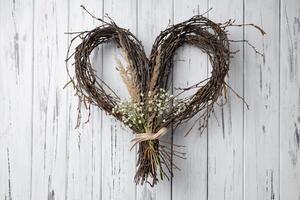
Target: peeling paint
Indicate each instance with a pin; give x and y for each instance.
(9, 176)
(17, 52)
(16, 44)
(51, 195)
(263, 42)
(291, 63)
(293, 157)
(260, 77)
(79, 140)
(298, 106)
(296, 25)
(57, 104)
(270, 184)
(50, 191)
(297, 136)
(290, 48)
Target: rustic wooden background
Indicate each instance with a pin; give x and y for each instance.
(244, 154)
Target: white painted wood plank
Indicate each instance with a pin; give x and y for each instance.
(49, 112)
(84, 144)
(118, 162)
(190, 67)
(152, 19)
(96, 143)
(225, 138)
(290, 100)
(7, 52)
(262, 94)
(15, 98)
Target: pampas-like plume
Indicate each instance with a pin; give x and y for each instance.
(126, 75)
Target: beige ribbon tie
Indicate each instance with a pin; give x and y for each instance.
(141, 137)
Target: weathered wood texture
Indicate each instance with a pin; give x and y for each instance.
(261, 91)
(244, 154)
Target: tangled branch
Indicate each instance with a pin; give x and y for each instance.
(150, 108)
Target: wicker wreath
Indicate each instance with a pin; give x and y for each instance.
(151, 110)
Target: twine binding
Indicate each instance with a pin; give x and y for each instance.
(141, 137)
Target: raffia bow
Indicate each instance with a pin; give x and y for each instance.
(141, 137)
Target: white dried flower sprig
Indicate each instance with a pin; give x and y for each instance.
(159, 104)
(132, 113)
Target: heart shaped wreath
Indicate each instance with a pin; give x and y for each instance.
(151, 110)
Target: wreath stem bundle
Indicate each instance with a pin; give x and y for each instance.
(151, 110)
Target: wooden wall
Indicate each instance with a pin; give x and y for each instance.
(244, 154)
